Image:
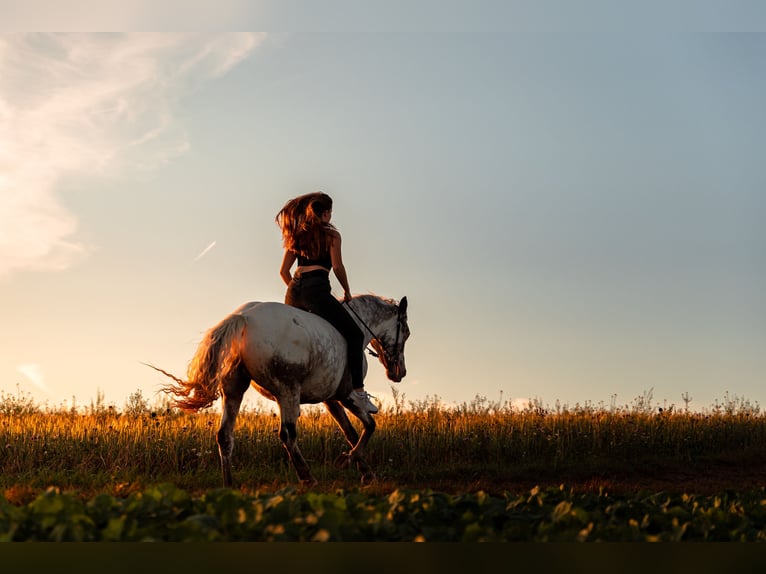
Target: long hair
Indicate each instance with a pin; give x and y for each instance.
(302, 228)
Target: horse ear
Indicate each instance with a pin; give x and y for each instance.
(403, 305)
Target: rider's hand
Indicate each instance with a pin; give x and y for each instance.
(347, 296)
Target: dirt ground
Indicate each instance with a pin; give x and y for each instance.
(701, 480)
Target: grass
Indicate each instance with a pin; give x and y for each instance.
(479, 444)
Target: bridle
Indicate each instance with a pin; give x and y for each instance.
(388, 357)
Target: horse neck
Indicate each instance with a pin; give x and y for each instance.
(374, 311)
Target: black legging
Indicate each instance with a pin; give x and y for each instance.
(311, 292)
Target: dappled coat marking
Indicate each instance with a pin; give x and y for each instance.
(292, 357)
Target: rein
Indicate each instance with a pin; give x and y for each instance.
(374, 336)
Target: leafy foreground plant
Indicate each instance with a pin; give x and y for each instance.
(167, 513)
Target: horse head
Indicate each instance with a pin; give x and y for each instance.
(389, 342)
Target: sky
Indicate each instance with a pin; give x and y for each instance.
(573, 217)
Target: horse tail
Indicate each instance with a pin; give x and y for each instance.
(218, 355)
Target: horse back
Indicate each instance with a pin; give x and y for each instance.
(286, 349)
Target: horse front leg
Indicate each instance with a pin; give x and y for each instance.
(289, 412)
(357, 443)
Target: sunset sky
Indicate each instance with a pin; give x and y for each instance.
(571, 216)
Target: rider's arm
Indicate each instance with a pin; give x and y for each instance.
(337, 266)
(287, 263)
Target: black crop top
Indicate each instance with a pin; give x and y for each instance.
(324, 260)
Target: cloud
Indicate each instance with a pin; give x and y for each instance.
(33, 372)
(88, 105)
(204, 251)
(79, 15)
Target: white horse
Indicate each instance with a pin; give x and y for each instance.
(291, 356)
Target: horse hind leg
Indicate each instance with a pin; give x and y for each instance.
(289, 411)
(232, 391)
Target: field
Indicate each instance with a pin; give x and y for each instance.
(481, 471)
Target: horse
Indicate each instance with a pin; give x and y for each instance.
(292, 357)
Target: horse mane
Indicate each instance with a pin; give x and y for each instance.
(371, 295)
(380, 306)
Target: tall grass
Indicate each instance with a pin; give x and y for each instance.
(100, 446)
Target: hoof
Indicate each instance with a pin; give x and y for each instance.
(308, 482)
(343, 461)
(369, 478)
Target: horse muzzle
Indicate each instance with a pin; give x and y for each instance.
(397, 373)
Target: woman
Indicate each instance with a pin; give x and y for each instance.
(311, 239)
